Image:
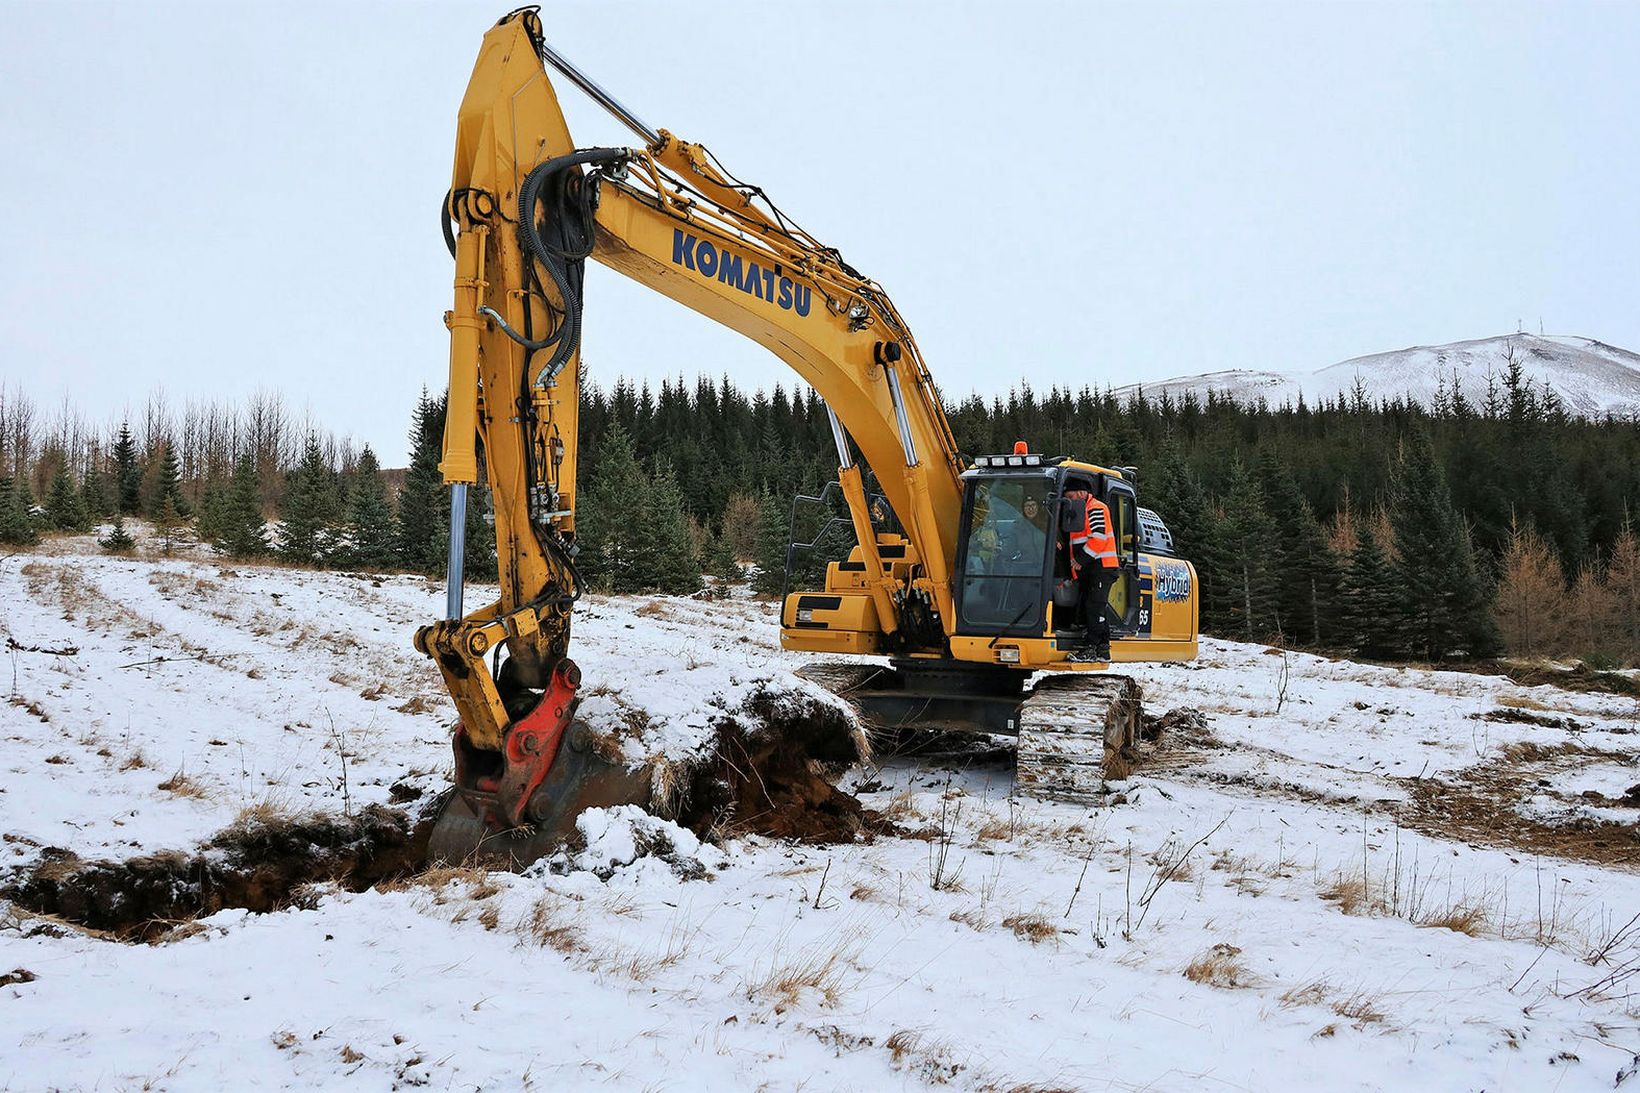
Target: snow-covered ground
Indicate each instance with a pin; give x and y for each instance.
(1356, 878)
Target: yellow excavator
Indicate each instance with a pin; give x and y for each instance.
(948, 578)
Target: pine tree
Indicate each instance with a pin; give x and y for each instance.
(1447, 603)
(94, 493)
(1369, 601)
(163, 482)
(673, 565)
(167, 523)
(372, 542)
(311, 511)
(421, 532)
(773, 539)
(63, 509)
(118, 540)
(127, 473)
(213, 502)
(240, 530)
(1249, 539)
(1307, 582)
(16, 528)
(610, 518)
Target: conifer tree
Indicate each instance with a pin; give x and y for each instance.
(16, 528)
(1370, 606)
(1306, 582)
(212, 504)
(63, 509)
(421, 532)
(610, 518)
(118, 540)
(1530, 611)
(772, 542)
(240, 530)
(673, 565)
(371, 536)
(1249, 539)
(127, 473)
(1621, 588)
(311, 510)
(162, 483)
(1447, 603)
(167, 523)
(94, 497)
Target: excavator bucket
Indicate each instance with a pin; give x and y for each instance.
(513, 806)
(468, 830)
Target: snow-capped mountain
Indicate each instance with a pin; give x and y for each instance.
(1591, 378)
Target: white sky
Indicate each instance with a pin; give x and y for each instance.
(214, 198)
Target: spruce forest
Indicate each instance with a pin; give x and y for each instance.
(1388, 529)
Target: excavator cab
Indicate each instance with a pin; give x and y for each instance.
(1014, 558)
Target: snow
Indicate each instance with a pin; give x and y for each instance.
(1591, 378)
(1057, 957)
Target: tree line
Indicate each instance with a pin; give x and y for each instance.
(1387, 528)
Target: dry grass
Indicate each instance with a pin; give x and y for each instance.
(1032, 927)
(931, 1060)
(550, 924)
(31, 706)
(416, 704)
(654, 609)
(1462, 918)
(1350, 893)
(1411, 897)
(181, 784)
(1220, 966)
(826, 972)
(447, 883)
(1522, 702)
(1308, 994)
(1360, 1007)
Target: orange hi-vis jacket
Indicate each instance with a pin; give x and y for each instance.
(1090, 534)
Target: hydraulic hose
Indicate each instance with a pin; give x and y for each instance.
(567, 243)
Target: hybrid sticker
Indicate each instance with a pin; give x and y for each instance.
(714, 264)
(1172, 581)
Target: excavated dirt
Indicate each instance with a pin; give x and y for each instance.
(1478, 807)
(773, 772)
(258, 864)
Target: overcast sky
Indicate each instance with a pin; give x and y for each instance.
(214, 198)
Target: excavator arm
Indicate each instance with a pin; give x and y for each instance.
(524, 211)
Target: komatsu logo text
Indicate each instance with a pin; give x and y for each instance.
(716, 264)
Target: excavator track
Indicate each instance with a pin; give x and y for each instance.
(1075, 733)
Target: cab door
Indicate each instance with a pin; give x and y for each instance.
(1124, 591)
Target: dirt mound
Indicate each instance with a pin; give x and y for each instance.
(258, 864)
(772, 772)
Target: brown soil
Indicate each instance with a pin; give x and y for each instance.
(773, 773)
(257, 864)
(1579, 678)
(1477, 807)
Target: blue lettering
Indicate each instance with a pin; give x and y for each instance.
(707, 257)
(729, 269)
(754, 281)
(802, 299)
(786, 293)
(768, 284)
(683, 247)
